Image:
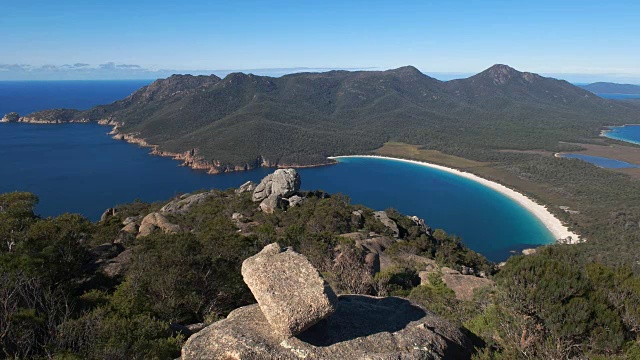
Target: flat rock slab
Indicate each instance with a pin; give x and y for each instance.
(465, 285)
(362, 327)
(186, 202)
(291, 293)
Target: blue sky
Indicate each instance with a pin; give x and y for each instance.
(72, 39)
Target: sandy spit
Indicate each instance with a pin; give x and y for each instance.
(555, 226)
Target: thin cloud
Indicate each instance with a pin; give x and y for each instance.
(128, 66)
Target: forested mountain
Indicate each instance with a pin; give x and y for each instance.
(245, 120)
(612, 88)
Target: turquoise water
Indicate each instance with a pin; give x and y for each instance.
(601, 161)
(628, 133)
(487, 221)
(78, 168)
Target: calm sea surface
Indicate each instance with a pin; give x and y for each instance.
(78, 168)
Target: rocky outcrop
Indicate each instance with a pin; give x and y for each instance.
(386, 221)
(249, 186)
(10, 117)
(423, 226)
(107, 214)
(463, 284)
(373, 245)
(117, 266)
(155, 221)
(184, 203)
(294, 201)
(362, 327)
(283, 182)
(275, 189)
(291, 293)
(298, 317)
(129, 231)
(357, 218)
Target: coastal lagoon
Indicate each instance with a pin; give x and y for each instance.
(601, 161)
(78, 168)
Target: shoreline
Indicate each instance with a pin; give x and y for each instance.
(554, 225)
(604, 132)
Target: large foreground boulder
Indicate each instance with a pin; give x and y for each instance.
(290, 292)
(362, 327)
(283, 183)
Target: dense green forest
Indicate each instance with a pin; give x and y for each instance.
(303, 118)
(59, 302)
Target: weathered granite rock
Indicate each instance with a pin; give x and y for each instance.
(155, 221)
(291, 293)
(130, 228)
(362, 327)
(420, 222)
(271, 203)
(118, 266)
(237, 217)
(386, 221)
(131, 219)
(283, 182)
(295, 200)
(129, 231)
(108, 214)
(249, 186)
(10, 117)
(529, 251)
(463, 285)
(357, 218)
(185, 202)
(372, 260)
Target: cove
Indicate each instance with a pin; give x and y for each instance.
(78, 168)
(628, 133)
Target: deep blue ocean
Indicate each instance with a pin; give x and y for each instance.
(79, 168)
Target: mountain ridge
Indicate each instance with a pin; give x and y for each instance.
(243, 121)
(612, 88)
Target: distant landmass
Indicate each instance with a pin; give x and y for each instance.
(245, 121)
(612, 88)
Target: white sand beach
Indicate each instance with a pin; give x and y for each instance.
(555, 226)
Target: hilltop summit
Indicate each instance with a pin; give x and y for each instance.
(246, 121)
